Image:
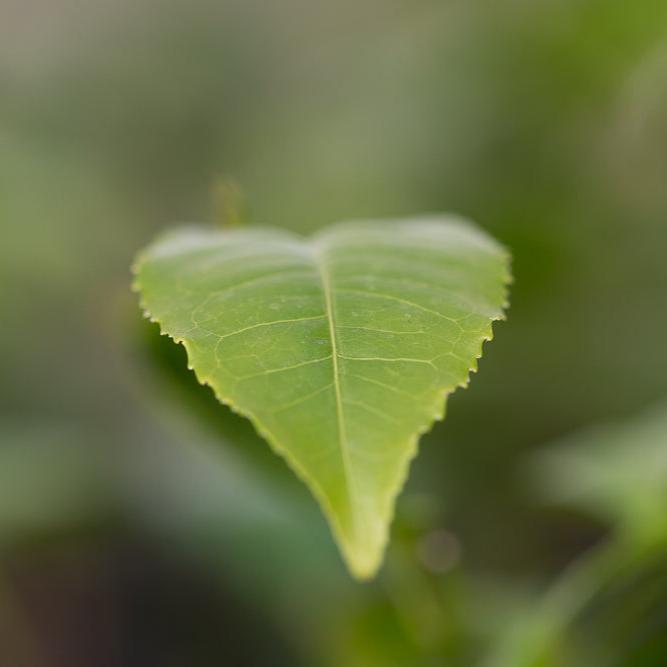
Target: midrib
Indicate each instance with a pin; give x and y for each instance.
(320, 262)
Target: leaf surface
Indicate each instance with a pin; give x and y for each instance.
(341, 349)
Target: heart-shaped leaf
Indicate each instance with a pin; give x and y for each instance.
(341, 349)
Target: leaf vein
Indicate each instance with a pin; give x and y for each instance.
(407, 302)
(270, 371)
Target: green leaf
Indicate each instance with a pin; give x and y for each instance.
(616, 471)
(341, 349)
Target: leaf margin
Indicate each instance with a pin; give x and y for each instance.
(367, 570)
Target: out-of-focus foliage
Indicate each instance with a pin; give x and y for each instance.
(48, 479)
(544, 121)
(616, 471)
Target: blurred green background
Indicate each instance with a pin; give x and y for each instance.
(141, 524)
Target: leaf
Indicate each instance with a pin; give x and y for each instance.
(616, 471)
(340, 349)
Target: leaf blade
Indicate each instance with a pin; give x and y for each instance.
(341, 349)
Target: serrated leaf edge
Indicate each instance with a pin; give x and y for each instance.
(366, 571)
